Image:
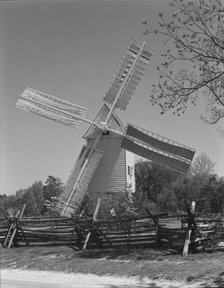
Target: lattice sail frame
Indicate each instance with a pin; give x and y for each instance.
(79, 178)
(51, 107)
(129, 74)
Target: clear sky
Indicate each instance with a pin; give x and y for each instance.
(72, 50)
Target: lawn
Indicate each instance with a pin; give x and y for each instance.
(208, 268)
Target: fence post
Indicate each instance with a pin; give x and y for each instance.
(156, 222)
(187, 242)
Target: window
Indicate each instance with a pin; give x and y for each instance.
(130, 171)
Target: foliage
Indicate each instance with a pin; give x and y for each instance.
(160, 188)
(208, 193)
(34, 197)
(194, 34)
(187, 190)
(202, 166)
(52, 190)
(53, 187)
(168, 192)
(52, 207)
(167, 200)
(118, 206)
(151, 179)
(212, 196)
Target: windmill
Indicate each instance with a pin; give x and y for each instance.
(106, 161)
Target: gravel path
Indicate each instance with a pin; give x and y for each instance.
(13, 278)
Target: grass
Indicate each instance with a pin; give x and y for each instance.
(151, 263)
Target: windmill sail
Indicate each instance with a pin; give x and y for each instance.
(81, 177)
(50, 107)
(158, 149)
(129, 74)
(75, 173)
(160, 142)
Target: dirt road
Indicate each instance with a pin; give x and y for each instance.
(13, 278)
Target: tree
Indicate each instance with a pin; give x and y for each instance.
(31, 205)
(207, 192)
(220, 194)
(151, 179)
(53, 188)
(38, 194)
(167, 200)
(213, 193)
(32, 197)
(195, 32)
(187, 190)
(202, 166)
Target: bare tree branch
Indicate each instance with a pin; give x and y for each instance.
(196, 29)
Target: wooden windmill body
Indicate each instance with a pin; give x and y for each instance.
(106, 161)
(115, 172)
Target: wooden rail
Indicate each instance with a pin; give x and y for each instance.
(135, 232)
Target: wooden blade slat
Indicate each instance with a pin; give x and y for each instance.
(125, 79)
(48, 113)
(155, 156)
(52, 108)
(76, 195)
(162, 143)
(46, 99)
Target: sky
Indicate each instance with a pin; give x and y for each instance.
(71, 49)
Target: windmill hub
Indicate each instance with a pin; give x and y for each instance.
(103, 126)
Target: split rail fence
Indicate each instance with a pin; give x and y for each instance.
(82, 233)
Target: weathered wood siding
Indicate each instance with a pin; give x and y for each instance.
(110, 175)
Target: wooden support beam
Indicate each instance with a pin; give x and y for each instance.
(5, 214)
(94, 220)
(187, 242)
(22, 211)
(155, 219)
(192, 226)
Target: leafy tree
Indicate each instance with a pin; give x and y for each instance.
(151, 180)
(212, 195)
(32, 197)
(202, 166)
(220, 195)
(167, 200)
(12, 201)
(207, 192)
(186, 190)
(53, 188)
(195, 32)
(30, 202)
(36, 194)
(118, 206)
(3, 200)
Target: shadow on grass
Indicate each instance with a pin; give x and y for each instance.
(217, 282)
(127, 254)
